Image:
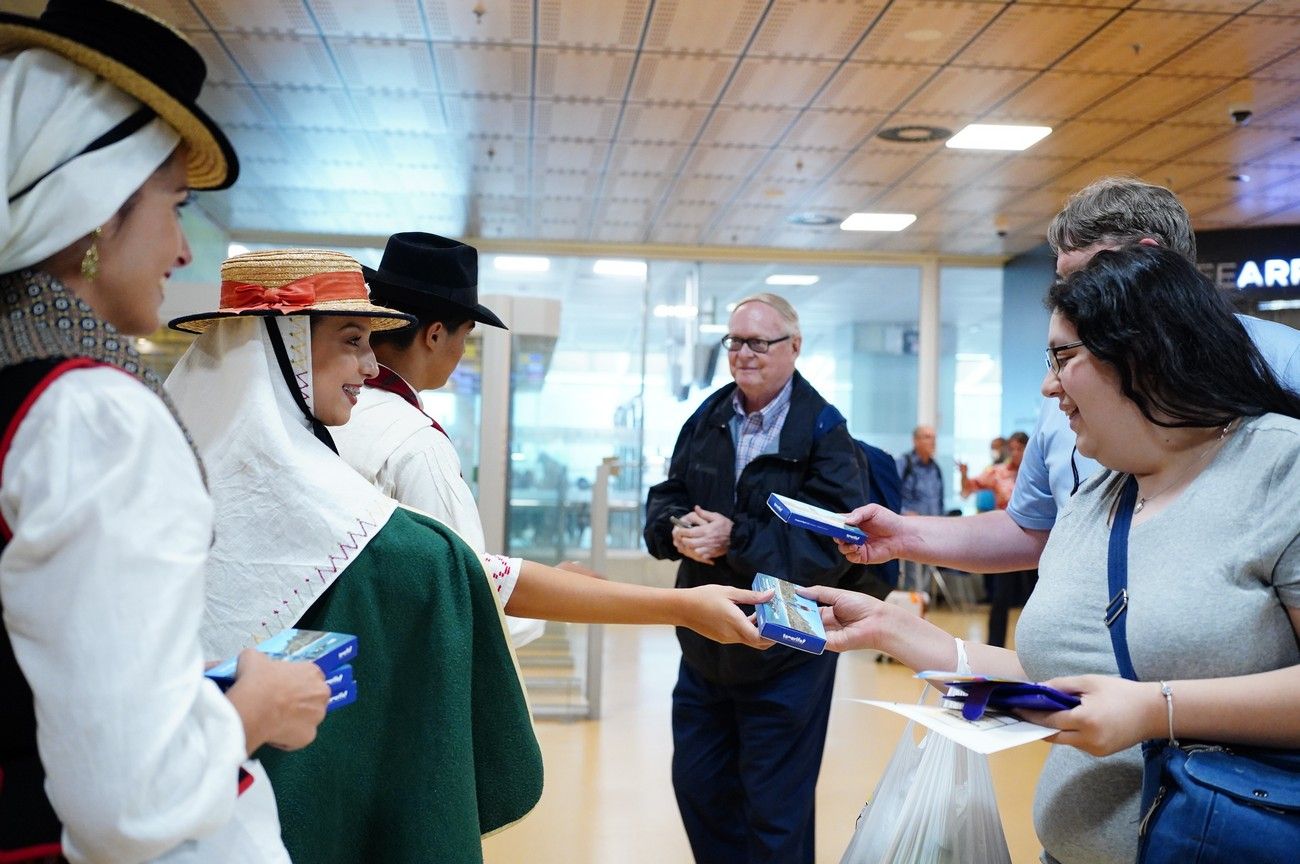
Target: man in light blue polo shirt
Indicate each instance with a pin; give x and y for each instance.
(1107, 214)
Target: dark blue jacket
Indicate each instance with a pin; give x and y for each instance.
(825, 470)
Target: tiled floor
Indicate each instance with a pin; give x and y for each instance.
(608, 797)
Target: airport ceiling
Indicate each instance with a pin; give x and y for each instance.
(712, 122)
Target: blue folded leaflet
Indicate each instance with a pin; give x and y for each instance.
(978, 693)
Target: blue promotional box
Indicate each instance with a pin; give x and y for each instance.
(788, 618)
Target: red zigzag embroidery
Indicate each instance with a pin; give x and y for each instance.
(346, 550)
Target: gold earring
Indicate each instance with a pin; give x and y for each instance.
(90, 261)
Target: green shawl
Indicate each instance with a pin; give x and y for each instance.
(439, 747)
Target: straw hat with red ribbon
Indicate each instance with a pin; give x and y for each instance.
(293, 282)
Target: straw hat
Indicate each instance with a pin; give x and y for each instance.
(293, 282)
(142, 56)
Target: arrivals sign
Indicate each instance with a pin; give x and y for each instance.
(1254, 275)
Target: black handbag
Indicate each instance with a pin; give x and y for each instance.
(1203, 803)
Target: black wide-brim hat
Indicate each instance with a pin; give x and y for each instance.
(142, 56)
(422, 272)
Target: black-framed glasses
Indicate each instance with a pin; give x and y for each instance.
(758, 346)
(1054, 359)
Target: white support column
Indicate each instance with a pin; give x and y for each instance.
(927, 367)
(494, 435)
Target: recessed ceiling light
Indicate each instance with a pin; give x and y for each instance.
(236, 249)
(619, 267)
(986, 136)
(665, 310)
(878, 221)
(925, 34)
(791, 279)
(915, 134)
(521, 263)
(811, 218)
(1276, 305)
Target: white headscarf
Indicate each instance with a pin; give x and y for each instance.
(290, 514)
(50, 109)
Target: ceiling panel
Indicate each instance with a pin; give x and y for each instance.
(835, 129)
(648, 121)
(878, 163)
(506, 22)
(641, 186)
(950, 168)
(591, 23)
(380, 64)
(1224, 6)
(716, 27)
(1220, 52)
(814, 29)
(1055, 96)
(1155, 96)
(740, 126)
(1249, 144)
(234, 103)
(964, 91)
(777, 82)
(573, 73)
(575, 118)
(731, 161)
(680, 78)
(1024, 172)
(314, 107)
(283, 16)
(284, 60)
(384, 20)
(925, 31)
(1137, 41)
(874, 86)
(1082, 139)
(1163, 142)
(646, 158)
(1029, 37)
(490, 116)
(484, 70)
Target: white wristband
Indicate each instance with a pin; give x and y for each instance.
(963, 664)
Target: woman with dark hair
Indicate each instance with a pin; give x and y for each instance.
(1201, 445)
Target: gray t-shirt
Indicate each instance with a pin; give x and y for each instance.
(1208, 578)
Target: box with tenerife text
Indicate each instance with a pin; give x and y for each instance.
(330, 651)
(788, 618)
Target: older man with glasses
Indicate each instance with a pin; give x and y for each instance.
(749, 726)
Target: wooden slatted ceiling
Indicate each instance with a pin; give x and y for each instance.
(678, 121)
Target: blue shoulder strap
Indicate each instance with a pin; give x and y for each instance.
(1117, 576)
(827, 419)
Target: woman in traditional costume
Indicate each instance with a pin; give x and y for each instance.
(439, 748)
(113, 747)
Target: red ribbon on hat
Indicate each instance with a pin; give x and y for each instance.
(298, 294)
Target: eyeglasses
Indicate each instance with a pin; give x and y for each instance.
(1054, 359)
(758, 346)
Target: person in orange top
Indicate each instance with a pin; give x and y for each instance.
(1000, 478)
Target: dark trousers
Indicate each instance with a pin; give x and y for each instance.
(745, 763)
(1006, 590)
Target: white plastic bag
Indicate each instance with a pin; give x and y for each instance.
(934, 805)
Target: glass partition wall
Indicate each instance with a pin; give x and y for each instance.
(606, 358)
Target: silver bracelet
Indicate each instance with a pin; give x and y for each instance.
(1168, 692)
